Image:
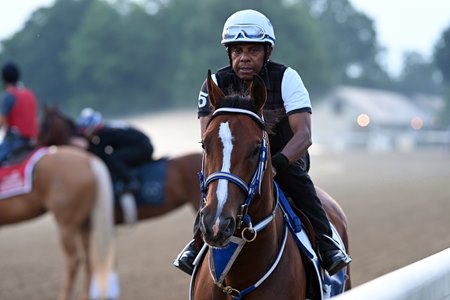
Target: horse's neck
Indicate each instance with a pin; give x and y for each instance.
(262, 207)
(60, 132)
(259, 255)
(263, 203)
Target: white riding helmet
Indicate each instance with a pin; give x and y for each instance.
(248, 26)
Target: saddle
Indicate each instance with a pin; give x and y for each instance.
(307, 226)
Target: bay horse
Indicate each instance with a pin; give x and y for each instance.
(249, 251)
(75, 188)
(181, 177)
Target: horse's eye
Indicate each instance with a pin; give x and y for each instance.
(202, 144)
(256, 150)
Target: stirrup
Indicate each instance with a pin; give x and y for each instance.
(341, 258)
(185, 259)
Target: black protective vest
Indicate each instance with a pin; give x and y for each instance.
(274, 110)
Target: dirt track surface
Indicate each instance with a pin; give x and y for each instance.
(397, 204)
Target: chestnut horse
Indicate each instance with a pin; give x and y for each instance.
(249, 250)
(181, 178)
(74, 187)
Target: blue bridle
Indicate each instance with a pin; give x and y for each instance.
(218, 272)
(255, 183)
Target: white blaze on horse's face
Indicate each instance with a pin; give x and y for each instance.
(222, 187)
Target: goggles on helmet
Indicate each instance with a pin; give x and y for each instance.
(248, 31)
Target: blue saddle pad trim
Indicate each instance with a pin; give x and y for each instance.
(292, 218)
(152, 177)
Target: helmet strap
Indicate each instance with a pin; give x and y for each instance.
(266, 56)
(229, 55)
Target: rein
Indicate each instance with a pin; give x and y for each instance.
(218, 268)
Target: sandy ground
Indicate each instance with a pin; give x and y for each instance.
(397, 204)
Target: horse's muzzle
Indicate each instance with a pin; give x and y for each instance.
(216, 231)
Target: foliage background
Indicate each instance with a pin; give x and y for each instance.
(127, 57)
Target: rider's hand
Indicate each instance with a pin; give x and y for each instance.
(280, 163)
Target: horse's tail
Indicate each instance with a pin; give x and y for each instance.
(104, 284)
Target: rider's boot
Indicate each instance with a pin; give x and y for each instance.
(185, 260)
(332, 257)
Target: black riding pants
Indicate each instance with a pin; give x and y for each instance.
(297, 184)
(121, 161)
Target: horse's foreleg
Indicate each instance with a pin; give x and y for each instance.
(348, 282)
(345, 240)
(87, 261)
(69, 244)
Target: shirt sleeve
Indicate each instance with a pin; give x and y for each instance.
(7, 104)
(204, 107)
(294, 93)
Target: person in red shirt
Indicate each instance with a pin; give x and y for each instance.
(18, 113)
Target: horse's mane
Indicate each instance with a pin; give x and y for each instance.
(55, 127)
(237, 101)
(244, 102)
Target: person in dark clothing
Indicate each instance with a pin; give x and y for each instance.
(18, 115)
(249, 38)
(120, 146)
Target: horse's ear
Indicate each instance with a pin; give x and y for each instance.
(258, 92)
(215, 94)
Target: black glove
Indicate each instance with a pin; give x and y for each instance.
(280, 162)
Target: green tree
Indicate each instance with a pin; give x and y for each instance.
(441, 58)
(112, 59)
(418, 75)
(39, 46)
(127, 56)
(351, 43)
(441, 55)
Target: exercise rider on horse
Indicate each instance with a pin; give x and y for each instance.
(249, 39)
(18, 114)
(120, 146)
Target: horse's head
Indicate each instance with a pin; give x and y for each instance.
(55, 127)
(235, 155)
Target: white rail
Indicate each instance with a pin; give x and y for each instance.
(427, 279)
